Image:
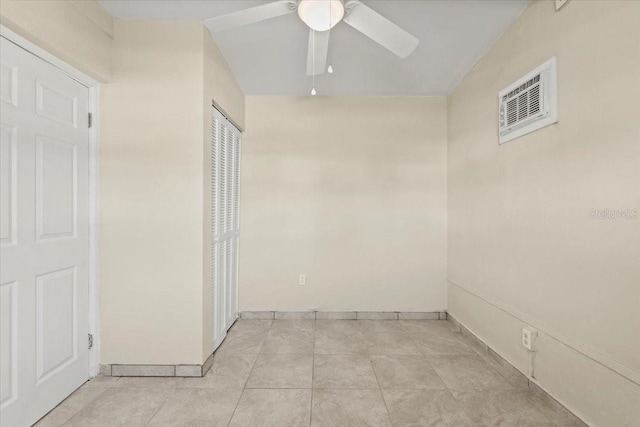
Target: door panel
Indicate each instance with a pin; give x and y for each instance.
(45, 236)
(8, 83)
(8, 345)
(8, 190)
(56, 188)
(56, 322)
(225, 163)
(54, 105)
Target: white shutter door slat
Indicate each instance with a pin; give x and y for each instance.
(229, 282)
(222, 210)
(222, 308)
(225, 182)
(229, 177)
(216, 325)
(236, 183)
(236, 219)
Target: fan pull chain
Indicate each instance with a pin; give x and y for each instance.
(330, 68)
(313, 66)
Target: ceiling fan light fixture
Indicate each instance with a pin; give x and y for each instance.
(321, 15)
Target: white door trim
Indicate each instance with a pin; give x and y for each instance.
(94, 153)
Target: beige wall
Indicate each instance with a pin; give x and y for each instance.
(522, 244)
(154, 195)
(78, 32)
(219, 86)
(154, 174)
(151, 166)
(349, 191)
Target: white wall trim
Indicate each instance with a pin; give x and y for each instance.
(586, 350)
(94, 221)
(344, 315)
(94, 151)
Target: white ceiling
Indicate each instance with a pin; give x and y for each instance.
(269, 58)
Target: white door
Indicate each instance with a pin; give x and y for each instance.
(44, 231)
(225, 182)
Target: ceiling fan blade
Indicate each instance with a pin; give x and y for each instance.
(318, 51)
(250, 16)
(380, 29)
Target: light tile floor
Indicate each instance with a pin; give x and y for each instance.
(321, 373)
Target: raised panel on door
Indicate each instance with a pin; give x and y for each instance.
(56, 188)
(8, 184)
(8, 343)
(56, 105)
(44, 233)
(8, 83)
(56, 322)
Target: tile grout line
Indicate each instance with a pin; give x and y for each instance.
(68, 397)
(447, 388)
(375, 374)
(484, 355)
(273, 318)
(244, 387)
(413, 333)
(476, 352)
(236, 407)
(533, 403)
(426, 359)
(313, 367)
(414, 340)
(173, 390)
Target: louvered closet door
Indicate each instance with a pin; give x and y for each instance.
(225, 185)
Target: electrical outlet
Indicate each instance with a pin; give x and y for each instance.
(302, 280)
(530, 338)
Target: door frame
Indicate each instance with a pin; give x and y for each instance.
(94, 177)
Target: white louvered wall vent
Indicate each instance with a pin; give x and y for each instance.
(530, 103)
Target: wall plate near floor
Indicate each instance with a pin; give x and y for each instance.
(530, 338)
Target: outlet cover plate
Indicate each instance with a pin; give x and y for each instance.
(530, 338)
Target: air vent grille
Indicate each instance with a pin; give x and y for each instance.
(522, 102)
(521, 88)
(535, 101)
(528, 104)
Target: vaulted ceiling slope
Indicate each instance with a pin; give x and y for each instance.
(270, 57)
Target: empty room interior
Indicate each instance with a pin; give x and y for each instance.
(320, 213)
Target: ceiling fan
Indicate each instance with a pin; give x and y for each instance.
(321, 16)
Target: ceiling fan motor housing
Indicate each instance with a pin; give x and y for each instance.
(321, 15)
